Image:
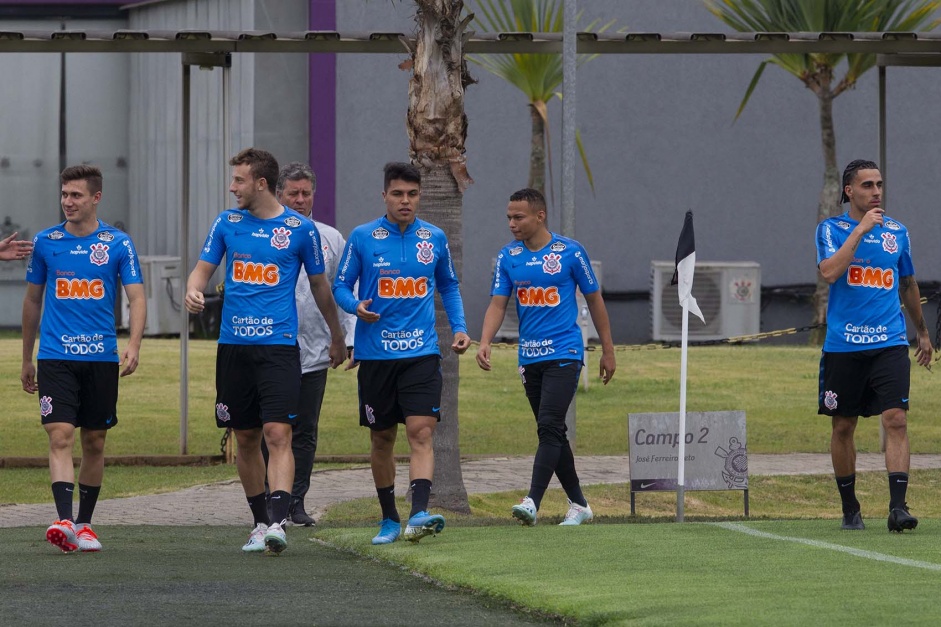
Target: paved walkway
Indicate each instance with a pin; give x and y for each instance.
(224, 503)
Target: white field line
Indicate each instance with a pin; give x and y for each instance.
(869, 555)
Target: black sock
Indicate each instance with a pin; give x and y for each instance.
(847, 487)
(898, 485)
(387, 503)
(87, 498)
(547, 459)
(259, 508)
(421, 492)
(62, 492)
(565, 471)
(280, 504)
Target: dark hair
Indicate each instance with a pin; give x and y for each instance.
(88, 173)
(850, 173)
(533, 196)
(261, 163)
(398, 171)
(296, 171)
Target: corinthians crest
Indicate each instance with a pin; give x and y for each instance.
(735, 473)
(281, 238)
(425, 252)
(551, 263)
(99, 254)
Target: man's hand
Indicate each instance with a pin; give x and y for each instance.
(461, 342)
(363, 313)
(28, 377)
(195, 301)
(483, 357)
(924, 350)
(608, 366)
(337, 351)
(130, 359)
(11, 250)
(874, 217)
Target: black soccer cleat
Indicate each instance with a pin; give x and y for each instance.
(853, 522)
(900, 519)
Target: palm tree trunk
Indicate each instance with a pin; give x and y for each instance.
(437, 129)
(537, 151)
(829, 200)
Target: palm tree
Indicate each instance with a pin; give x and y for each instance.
(437, 128)
(538, 76)
(818, 71)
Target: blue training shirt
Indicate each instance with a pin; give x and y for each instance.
(263, 261)
(544, 282)
(399, 272)
(863, 310)
(81, 278)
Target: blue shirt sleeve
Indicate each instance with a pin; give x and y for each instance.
(214, 248)
(130, 264)
(501, 285)
(36, 267)
(584, 275)
(347, 275)
(450, 289)
(311, 253)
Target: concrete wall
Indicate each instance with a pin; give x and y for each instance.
(660, 138)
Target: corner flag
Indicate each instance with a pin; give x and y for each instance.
(685, 267)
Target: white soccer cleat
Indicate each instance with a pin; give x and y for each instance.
(256, 540)
(61, 533)
(525, 512)
(275, 539)
(577, 514)
(87, 539)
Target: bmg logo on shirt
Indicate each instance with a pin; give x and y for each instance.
(403, 287)
(870, 277)
(538, 296)
(81, 289)
(255, 273)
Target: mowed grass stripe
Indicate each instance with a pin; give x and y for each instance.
(676, 574)
(870, 555)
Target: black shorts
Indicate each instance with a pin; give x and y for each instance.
(256, 384)
(81, 393)
(550, 387)
(864, 383)
(390, 390)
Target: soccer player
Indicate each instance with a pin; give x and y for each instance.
(866, 258)
(258, 371)
(295, 190)
(543, 269)
(76, 266)
(399, 261)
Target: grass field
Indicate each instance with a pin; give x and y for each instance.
(761, 573)
(775, 386)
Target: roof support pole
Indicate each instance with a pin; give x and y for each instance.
(569, 65)
(206, 61)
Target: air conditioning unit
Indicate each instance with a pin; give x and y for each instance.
(510, 329)
(728, 294)
(162, 279)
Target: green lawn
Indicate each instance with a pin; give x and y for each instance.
(775, 386)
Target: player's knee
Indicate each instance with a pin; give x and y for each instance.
(895, 420)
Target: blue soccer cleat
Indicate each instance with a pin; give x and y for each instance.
(423, 524)
(389, 531)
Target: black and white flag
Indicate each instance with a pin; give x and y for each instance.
(686, 266)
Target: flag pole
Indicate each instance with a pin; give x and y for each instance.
(681, 464)
(683, 278)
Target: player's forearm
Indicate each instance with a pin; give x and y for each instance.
(911, 298)
(31, 312)
(835, 267)
(493, 318)
(454, 308)
(599, 317)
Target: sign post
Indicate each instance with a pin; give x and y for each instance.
(715, 453)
